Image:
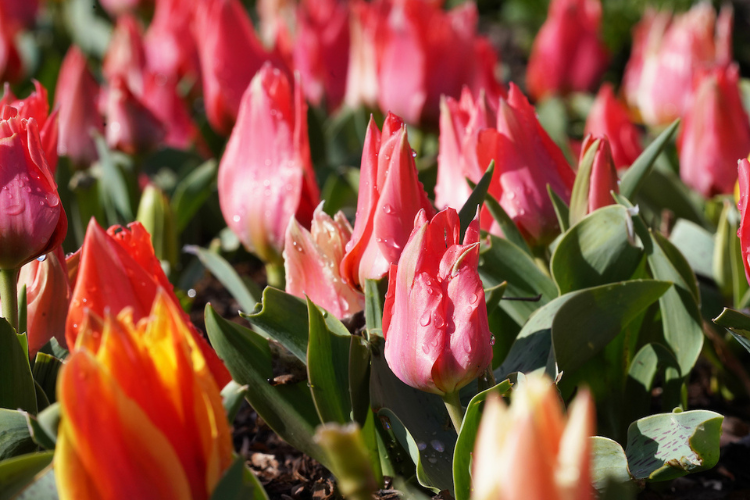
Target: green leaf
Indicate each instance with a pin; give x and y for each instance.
(610, 466)
(350, 458)
(601, 249)
(696, 245)
(44, 426)
(239, 483)
(15, 438)
(45, 372)
(722, 257)
(287, 408)
(374, 300)
(507, 226)
(561, 209)
(467, 438)
(665, 191)
(646, 364)
(18, 472)
(42, 487)
(475, 200)
(232, 396)
(579, 198)
(738, 325)
(17, 389)
(22, 309)
(114, 184)
(192, 192)
(634, 176)
(246, 296)
(359, 380)
(328, 368)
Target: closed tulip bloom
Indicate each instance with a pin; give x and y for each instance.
(36, 106)
(32, 219)
(76, 96)
(533, 430)
(603, 179)
(437, 338)
(141, 415)
(117, 269)
(743, 181)
(526, 161)
(390, 196)
(715, 133)
(266, 176)
(168, 43)
(609, 117)
(312, 259)
(568, 54)
(131, 126)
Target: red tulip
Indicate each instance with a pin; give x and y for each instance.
(126, 56)
(568, 54)
(526, 161)
(666, 55)
(36, 106)
(610, 118)
(222, 31)
(266, 176)
(312, 259)
(32, 219)
(117, 269)
(603, 174)
(76, 96)
(390, 196)
(168, 44)
(131, 126)
(743, 168)
(461, 122)
(161, 97)
(117, 8)
(715, 132)
(437, 338)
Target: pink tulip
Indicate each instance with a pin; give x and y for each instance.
(76, 96)
(715, 132)
(609, 117)
(461, 122)
(161, 97)
(126, 56)
(743, 168)
(667, 53)
(36, 106)
(222, 31)
(312, 259)
(168, 44)
(437, 338)
(117, 8)
(390, 196)
(131, 126)
(32, 219)
(266, 176)
(568, 54)
(47, 296)
(603, 175)
(533, 430)
(526, 161)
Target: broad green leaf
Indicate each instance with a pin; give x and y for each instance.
(374, 300)
(561, 209)
(639, 170)
(466, 439)
(42, 487)
(349, 457)
(17, 390)
(18, 472)
(192, 192)
(601, 249)
(287, 408)
(23, 307)
(15, 438)
(44, 426)
(579, 198)
(232, 396)
(610, 465)
(239, 483)
(475, 200)
(738, 325)
(665, 190)
(505, 223)
(246, 296)
(328, 368)
(359, 380)
(45, 372)
(114, 188)
(647, 363)
(696, 245)
(722, 257)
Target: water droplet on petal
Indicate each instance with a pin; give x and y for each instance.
(426, 349)
(425, 319)
(236, 218)
(438, 321)
(387, 209)
(42, 258)
(474, 298)
(52, 200)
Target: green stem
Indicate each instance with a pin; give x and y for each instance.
(455, 410)
(275, 275)
(9, 295)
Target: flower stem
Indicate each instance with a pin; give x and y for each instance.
(275, 275)
(455, 410)
(9, 295)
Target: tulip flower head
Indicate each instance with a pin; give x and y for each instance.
(266, 176)
(602, 175)
(743, 170)
(131, 126)
(533, 430)
(390, 196)
(437, 338)
(609, 117)
(142, 416)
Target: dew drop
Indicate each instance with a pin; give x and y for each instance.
(426, 349)
(437, 445)
(438, 321)
(474, 298)
(387, 209)
(52, 200)
(422, 446)
(42, 258)
(236, 218)
(492, 340)
(425, 319)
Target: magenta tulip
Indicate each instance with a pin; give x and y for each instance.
(609, 117)
(603, 174)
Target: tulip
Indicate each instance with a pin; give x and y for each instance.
(602, 172)
(312, 259)
(533, 430)
(526, 161)
(168, 44)
(461, 122)
(743, 184)
(131, 126)
(117, 8)
(161, 97)
(20, 14)
(715, 133)
(36, 106)
(117, 269)
(437, 338)
(568, 54)
(390, 196)
(223, 30)
(666, 55)
(141, 415)
(76, 96)
(126, 55)
(609, 117)
(266, 176)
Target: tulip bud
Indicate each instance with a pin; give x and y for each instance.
(156, 215)
(743, 186)
(76, 96)
(602, 172)
(131, 126)
(390, 196)
(168, 44)
(533, 430)
(149, 404)
(312, 260)
(266, 176)
(32, 219)
(437, 338)
(609, 117)
(715, 133)
(568, 54)
(125, 55)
